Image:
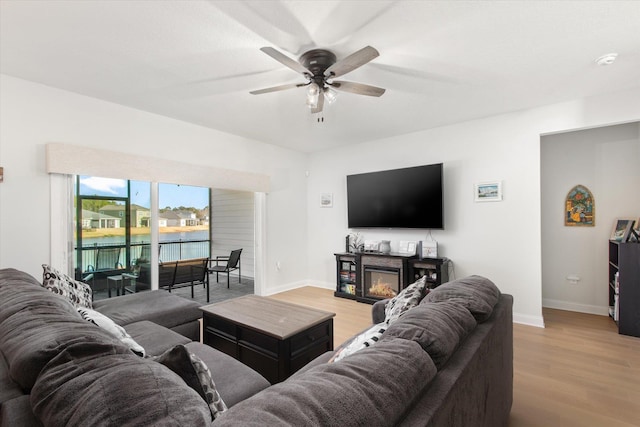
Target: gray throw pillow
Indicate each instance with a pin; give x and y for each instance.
(196, 374)
(478, 294)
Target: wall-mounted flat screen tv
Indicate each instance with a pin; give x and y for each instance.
(399, 198)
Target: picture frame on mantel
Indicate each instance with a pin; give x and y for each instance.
(622, 229)
(488, 191)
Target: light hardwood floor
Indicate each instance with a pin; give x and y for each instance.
(578, 371)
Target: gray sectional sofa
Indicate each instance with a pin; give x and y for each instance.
(57, 369)
(446, 362)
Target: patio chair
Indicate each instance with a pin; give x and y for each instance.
(232, 262)
(107, 259)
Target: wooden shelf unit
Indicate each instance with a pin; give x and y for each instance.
(624, 286)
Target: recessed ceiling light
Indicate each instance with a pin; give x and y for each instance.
(607, 59)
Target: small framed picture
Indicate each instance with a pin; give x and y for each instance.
(407, 247)
(490, 191)
(326, 200)
(622, 229)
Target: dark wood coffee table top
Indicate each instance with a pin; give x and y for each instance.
(278, 319)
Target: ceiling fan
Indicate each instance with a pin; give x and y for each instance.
(320, 67)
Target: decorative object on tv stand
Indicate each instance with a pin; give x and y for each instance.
(372, 245)
(580, 207)
(354, 243)
(385, 247)
(429, 249)
(488, 191)
(407, 247)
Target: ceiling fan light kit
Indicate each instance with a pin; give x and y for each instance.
(320, 67)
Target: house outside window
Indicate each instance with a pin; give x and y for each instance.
(113, 228)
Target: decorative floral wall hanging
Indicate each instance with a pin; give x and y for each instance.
(580, 207)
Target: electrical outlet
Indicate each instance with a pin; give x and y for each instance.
(573, 279)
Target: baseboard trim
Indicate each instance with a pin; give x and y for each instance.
(529, 320)
(572, 306)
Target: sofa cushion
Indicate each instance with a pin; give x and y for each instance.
(154, 338)
(92, 383)
(102, 321)
(373, 385)
(478, 294)
(437, 327)
(79, 294)
(157, 306)
(408, 298)
(234, 381)
(17, 413)
(196, 374)
(34, 335)
(19, 290)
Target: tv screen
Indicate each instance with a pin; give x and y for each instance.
(399, 198)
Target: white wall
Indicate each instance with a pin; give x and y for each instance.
(32, 115)
(232, 226)
(500, 240)
(607, 161)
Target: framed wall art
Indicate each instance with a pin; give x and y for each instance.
(326, 200)
(490, 191)
(579, 207)
(622, 229)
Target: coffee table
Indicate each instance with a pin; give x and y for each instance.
(273, 337)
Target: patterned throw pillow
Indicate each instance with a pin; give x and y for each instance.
(363, 340)
(78, 293)
(196, 374)
(113, 328)
(408, 298)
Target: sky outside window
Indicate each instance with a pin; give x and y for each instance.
(172, 195)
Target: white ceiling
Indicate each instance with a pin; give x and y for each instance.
(441, 62)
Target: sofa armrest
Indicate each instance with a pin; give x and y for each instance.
(377, 311)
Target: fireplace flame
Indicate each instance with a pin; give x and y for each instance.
(382, 289)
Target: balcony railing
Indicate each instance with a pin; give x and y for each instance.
(169, 251)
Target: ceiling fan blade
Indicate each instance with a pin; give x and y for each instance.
(358, 88)
(274, 21)
(351, 62)
(285, 60)
(320, 105)
(277, 88)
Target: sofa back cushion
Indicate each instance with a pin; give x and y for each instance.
(33, 336)
(372, 385)
(35, 325)
(19, 290)
(478, 294)
(95, 384)
(437, 327)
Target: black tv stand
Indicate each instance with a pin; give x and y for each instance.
(353, 270)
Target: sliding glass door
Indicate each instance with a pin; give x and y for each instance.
(112, 233)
